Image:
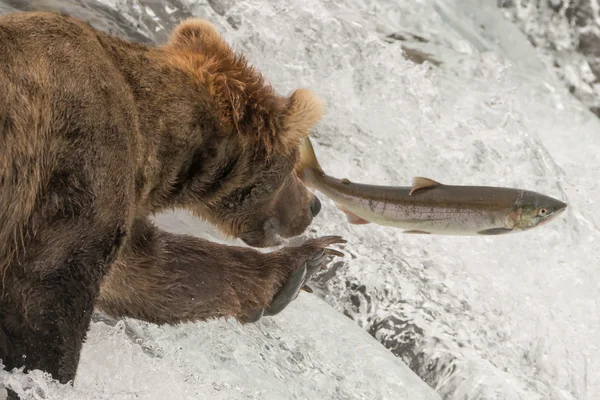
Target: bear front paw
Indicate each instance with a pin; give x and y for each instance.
(305, 260)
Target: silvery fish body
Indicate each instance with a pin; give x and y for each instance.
(429, 207)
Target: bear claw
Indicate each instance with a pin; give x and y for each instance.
(288, 292)
(297, 281)
(307, 289)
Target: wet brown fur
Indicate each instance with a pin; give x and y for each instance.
(96, 135)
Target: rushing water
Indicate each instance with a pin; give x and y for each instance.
(512, 317)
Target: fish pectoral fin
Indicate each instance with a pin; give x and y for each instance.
(352, 218)
(420, 183)
(356, 220)
(495, 231)
(417, 232)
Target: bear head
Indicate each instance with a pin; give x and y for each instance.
(255, 146)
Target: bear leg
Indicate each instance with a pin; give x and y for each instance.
(49, 294)
(167, 278)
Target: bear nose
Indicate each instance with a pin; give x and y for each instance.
(315, 206)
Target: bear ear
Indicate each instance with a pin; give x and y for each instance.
(304, 110)
(198, 33)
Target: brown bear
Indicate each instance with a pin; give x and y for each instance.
(96, 135)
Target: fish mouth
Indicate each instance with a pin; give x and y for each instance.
(561, 208)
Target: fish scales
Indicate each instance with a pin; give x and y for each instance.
(431, 207)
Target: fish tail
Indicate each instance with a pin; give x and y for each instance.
(309, 170)
(308, 165)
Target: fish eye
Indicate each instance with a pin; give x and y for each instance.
(542, 212)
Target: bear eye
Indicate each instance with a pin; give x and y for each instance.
(542, 212)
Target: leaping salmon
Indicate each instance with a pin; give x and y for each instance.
(430, 207)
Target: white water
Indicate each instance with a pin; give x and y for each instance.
(310, 352)
(563, 31)
(503, 317)
(514, 317)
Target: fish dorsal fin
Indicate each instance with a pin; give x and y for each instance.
(420, 183)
